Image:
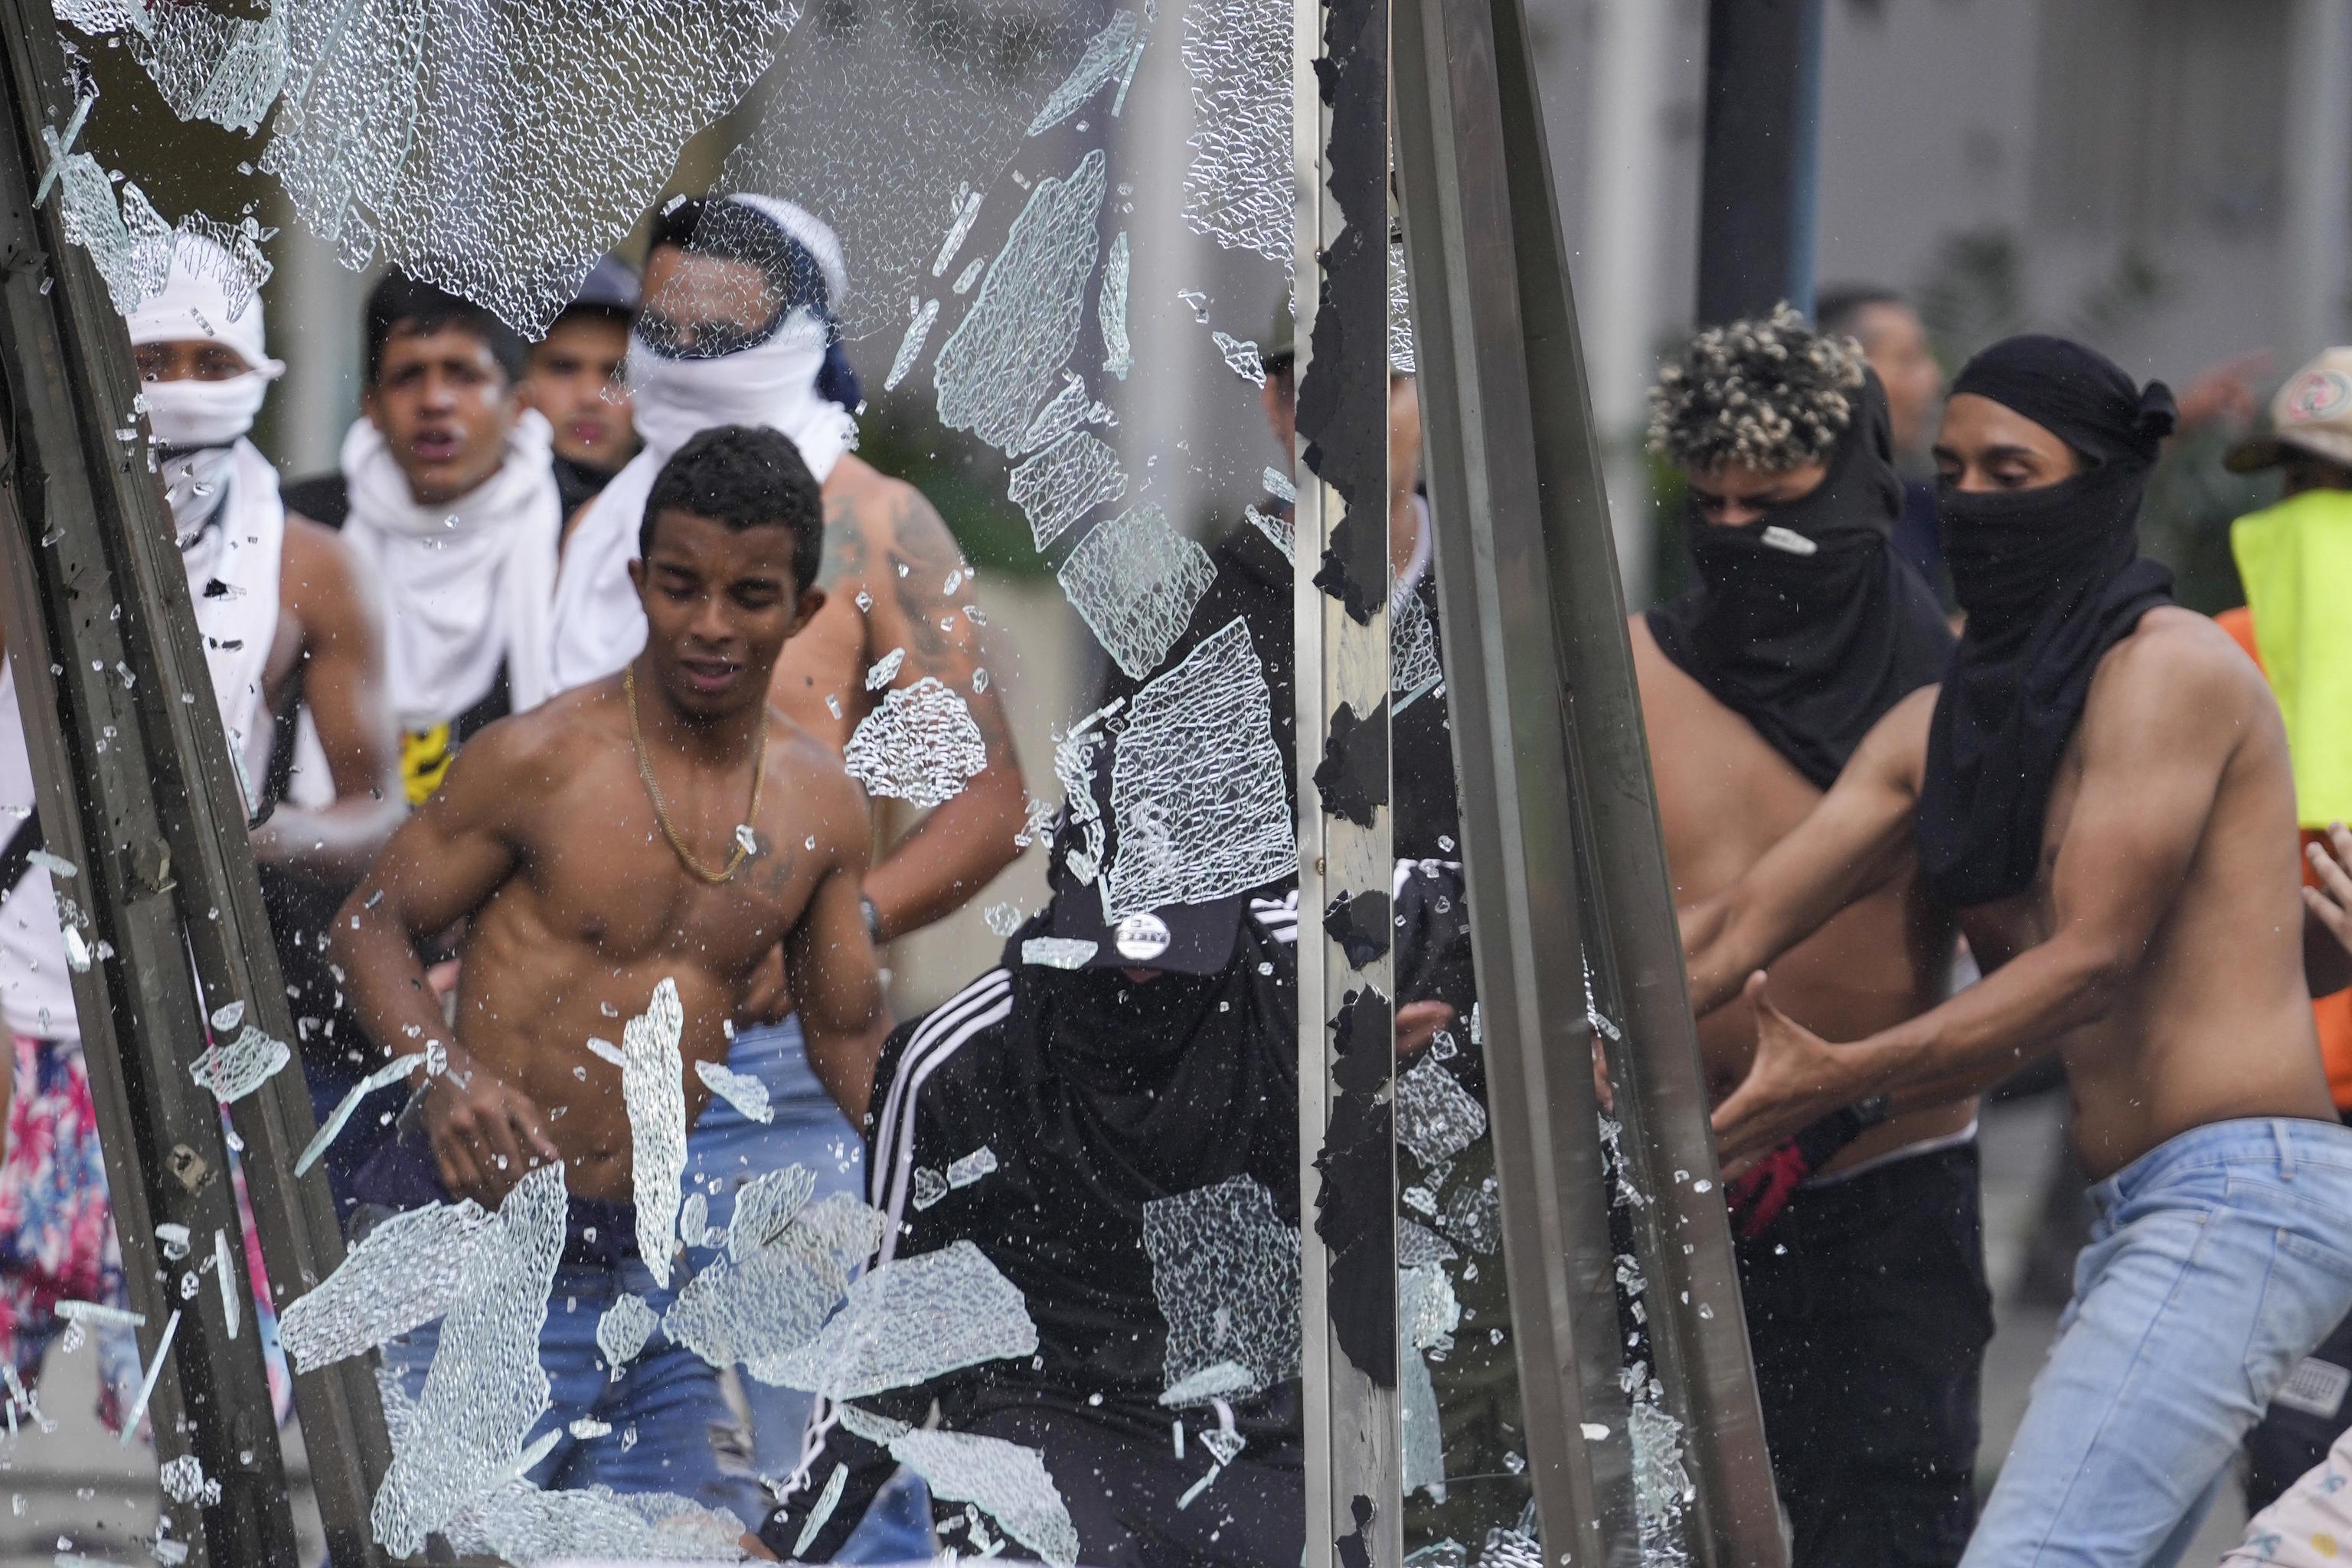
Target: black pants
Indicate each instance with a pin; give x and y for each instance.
(1122, 1494)
(1868, 1312)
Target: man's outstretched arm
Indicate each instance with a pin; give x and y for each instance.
(922, 602)
(2153, 758)
(342, 672)
(834, 977)
(443, 866)
(1851, 843)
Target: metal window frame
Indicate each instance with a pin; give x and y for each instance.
(1566, 854)
(136, 787)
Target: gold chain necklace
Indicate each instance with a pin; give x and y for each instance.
(661, 812)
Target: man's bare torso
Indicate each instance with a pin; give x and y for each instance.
(1725, 798)
(2214, 1021)
(600, 911)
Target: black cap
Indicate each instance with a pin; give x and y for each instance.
(611, 287)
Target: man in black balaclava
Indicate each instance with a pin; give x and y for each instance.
(1861, 1268)
(2100, 789)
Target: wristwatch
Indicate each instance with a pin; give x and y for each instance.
(873, 921)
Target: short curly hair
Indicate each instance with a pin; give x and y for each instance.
(1771, 395)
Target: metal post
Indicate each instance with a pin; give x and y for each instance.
(1563, 853)
(1758, 172)
(1346, 1044)
(136, 788)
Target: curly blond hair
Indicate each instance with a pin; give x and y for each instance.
(1771, 395)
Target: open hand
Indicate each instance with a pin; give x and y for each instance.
(1795, 1076)
(2331, 903)
(487, 1135)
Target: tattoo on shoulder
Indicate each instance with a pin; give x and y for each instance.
(845, 555)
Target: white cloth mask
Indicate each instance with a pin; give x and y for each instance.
(204, 412)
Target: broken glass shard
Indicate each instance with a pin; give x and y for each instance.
(1058, 951)
(484, 1389)
(225, 1274)
(1135, 581)
(1225, 1270)
(1423, 1462)
(1277, 485)
(1241, 357)
(1401, 358)
(1105, 53)
(653, 1087)
(1277, 527)
(1437, 1118)
(787, 1266)
(1239, 190)
(1007, 1482)
(746, 1094)
(622, 1330)
(1197, 783)
(226, 69)
(1024, 322)
(919, 317)
(1067, 410)
(885, 670)
(1003, 919)
(391, 1072)
(404, 1273)
(1473, 1216)
(1063, 482)
(921, 745)
(826, 1502)
(1414, 669)
(237, 1069)
(524, 1525)
(912, 1319)
(448, 142)
(929, 1186)
(1110, 310)
(1417, 1244)
(963, 1173)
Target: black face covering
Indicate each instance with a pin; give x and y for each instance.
(2051, 579)
(1812, 648)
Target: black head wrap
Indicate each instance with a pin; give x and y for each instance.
(1813, 647)
(2051, 578)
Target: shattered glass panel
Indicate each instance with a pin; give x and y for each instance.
(1110, 310)
(1135, 581)
(653, 1085)
(1239, 189)
(912, 1319)
(1006, 1480)
(1414, 669)
(1225, 1270)
(921, 111)
(622, 1330)
(522, 1525)
(1197, 783)
(208, 67)
(449, 141)
(920, 746)
(1021, 328)
(1105, 53)
(485, 1388)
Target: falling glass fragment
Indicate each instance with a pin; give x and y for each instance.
(912, 1319)
(622, 1330)
(1007, 1480)
(963, 1173)
(1106, 52)
(1058, 951)
(1135, 582)
(921, 745)
(653, 1087)
(1061, 484)
(1277, 527)
(237, 1069)
(1241, 357)
(746, 1094)
(1225, 1270)
(1110, 310)
(919, 318)
(1437, 1118)
(1197, 783)
(403, 1274)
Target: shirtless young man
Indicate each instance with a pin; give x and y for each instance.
(1862, 1263)
(594, 849)
(736, 325)
(2101, 789)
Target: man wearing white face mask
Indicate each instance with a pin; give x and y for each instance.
(277, 602)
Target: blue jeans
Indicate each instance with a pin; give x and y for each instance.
(728, 1149)
(2217, 1260)
(686, 1439)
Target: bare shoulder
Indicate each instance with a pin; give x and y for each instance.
(873, 521)
(815, 788)
(1896, 750)
(526, 757)
(2178, 674)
